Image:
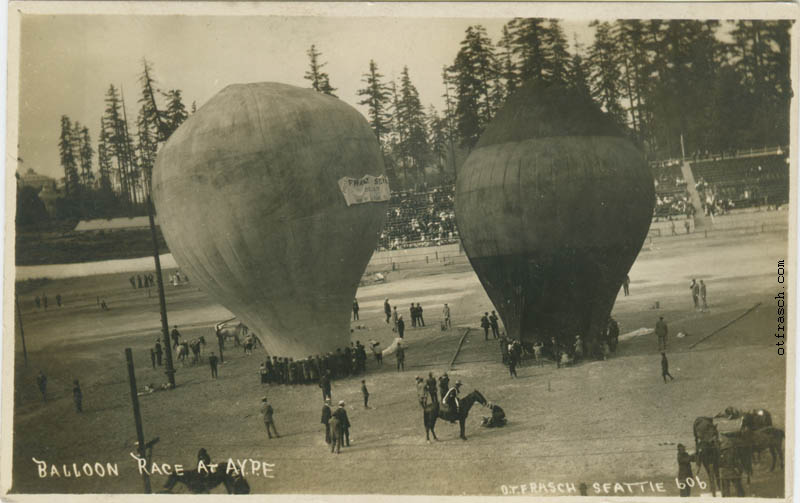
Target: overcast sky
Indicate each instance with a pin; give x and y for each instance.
(68, 62)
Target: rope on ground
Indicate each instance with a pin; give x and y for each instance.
(727, 324)
(458, 349)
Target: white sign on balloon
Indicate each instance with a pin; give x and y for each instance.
(365, 190)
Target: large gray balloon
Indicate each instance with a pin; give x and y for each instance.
(248, 198)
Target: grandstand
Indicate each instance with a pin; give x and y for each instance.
(736, 180)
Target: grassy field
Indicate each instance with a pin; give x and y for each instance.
(597, 422)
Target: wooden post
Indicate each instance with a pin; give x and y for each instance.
(170, 370)
(137, 417)
(21, 330)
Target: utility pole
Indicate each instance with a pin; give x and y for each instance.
(170, 371)
(21, 330)
(137, 417)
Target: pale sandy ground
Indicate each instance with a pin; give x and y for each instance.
(596, 422)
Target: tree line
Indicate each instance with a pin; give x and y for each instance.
(672, 84)
(700, 86)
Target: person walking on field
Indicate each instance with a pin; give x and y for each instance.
(387, 310)
(355, 309)
(153, 358)
(395, 316)
(695, 288)
(77, 396)
(626, 285)
(212, 360)
(665, 368)
(485, 324)
(267, 411)
(401, 326)
(365, 393)
(176, 336)
(400, 354)
(420, 319)
(493, 323)
(661, 331)
(446, 316)
(326, 418)
(325, 384)
(159, 351)
(703, 294)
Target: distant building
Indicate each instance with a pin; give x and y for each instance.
(33, 179)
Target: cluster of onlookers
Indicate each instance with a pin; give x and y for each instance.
(670, 206)
(416, 219)
(342, 363)
(742, 183)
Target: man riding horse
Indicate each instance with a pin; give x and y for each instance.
(450, 401)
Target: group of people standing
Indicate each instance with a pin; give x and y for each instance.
(42, 301)
(490, 321)
(142, 281)
(343, 363)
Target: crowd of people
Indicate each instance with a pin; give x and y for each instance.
(416, 219)
(342, 363)
(742, 183)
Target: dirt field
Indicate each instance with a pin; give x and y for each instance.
(597, 422)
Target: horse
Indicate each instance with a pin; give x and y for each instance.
(432, 411)
(194, 345)
(706, 442)
(235, 332)
(768, 437)
(205, 482)
(337, 432)
(756, 419)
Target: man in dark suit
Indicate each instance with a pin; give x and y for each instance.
(267, 411)
(430, 386)
(494, 325)
(326, 417)
(420, 319)
(341, 415)
(413, 312)
(212, 360)
(485, 326)
(401, 326)
(325, 384)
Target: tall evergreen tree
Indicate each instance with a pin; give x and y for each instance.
(529, 38)
(508, 68)
(605, 71)
(175, 112)
(320, 81)
(414, 144)
(66, 146)
(104, 166)
(85, 153)
(376, 98)
(556, 64)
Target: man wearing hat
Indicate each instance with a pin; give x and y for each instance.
(341, 415)
(685, 469)
(387, 310)
(326, 417)
(266, 411)
(451, 399)
(444, 384)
